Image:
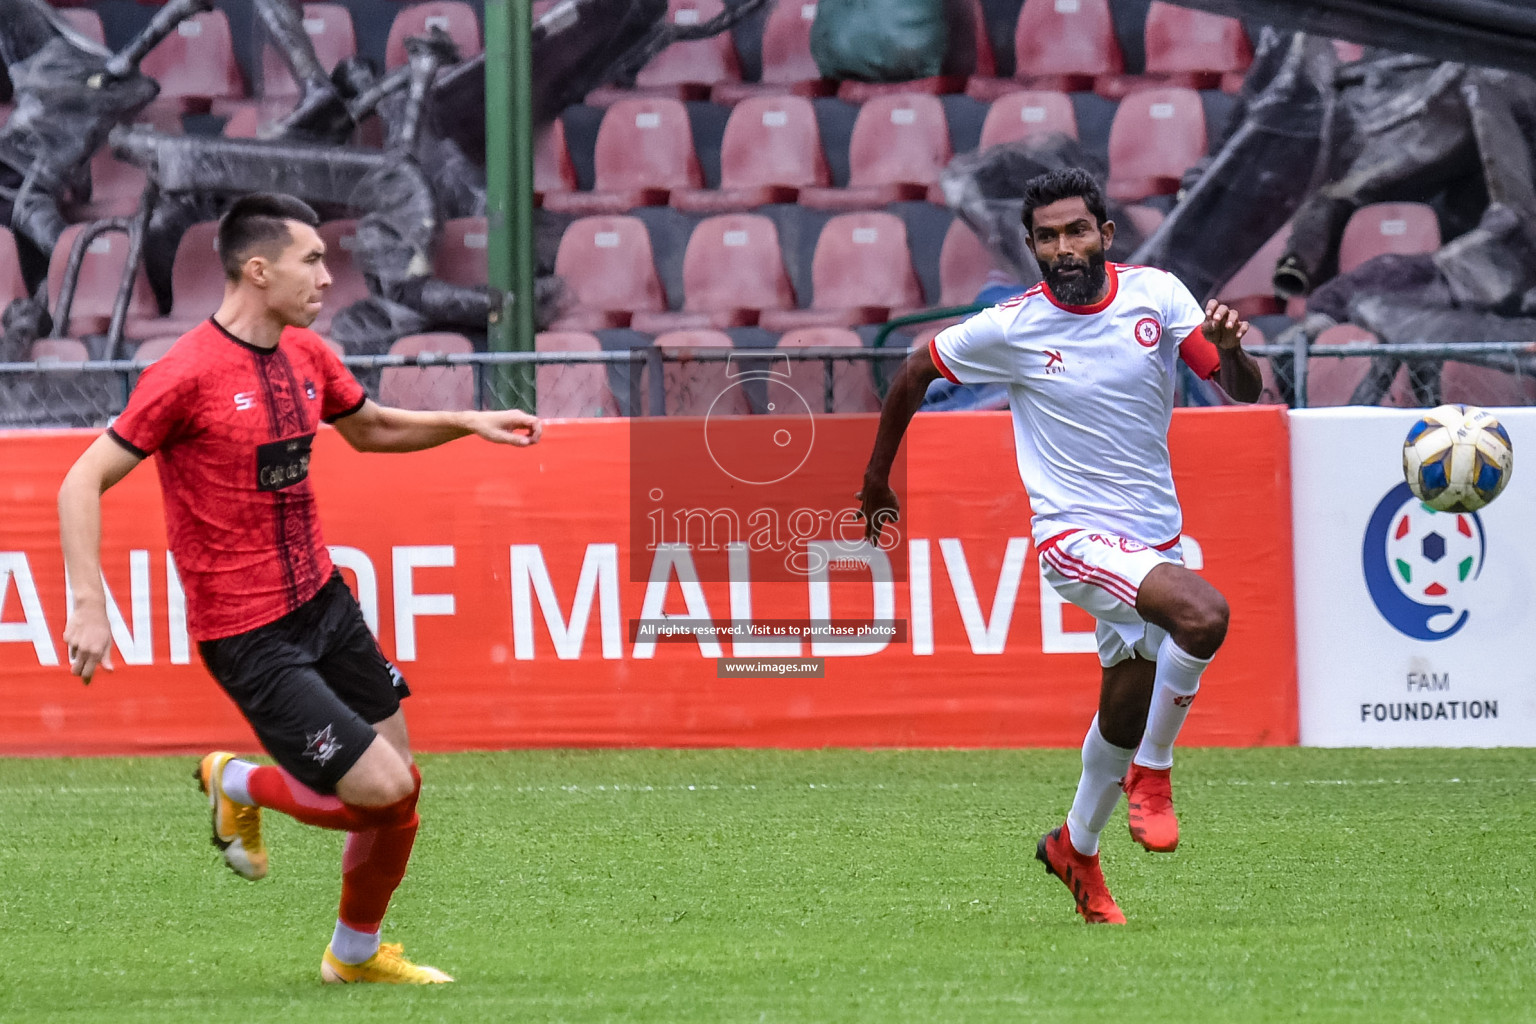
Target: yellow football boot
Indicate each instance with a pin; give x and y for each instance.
(236, 826)
(388, 966)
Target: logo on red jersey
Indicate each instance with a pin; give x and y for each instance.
(309, 389)
(1148, 332)
(1053, 361)
(245, 400)
(322, 745)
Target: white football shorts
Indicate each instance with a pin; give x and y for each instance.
(1101, 574)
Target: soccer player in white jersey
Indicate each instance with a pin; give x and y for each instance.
(1088, 357)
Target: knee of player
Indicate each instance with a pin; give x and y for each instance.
(385, 784)
(1204, 625)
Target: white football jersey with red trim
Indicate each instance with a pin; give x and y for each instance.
(1091, 389)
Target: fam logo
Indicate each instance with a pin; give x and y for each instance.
(1148, 332)
(1420, 565)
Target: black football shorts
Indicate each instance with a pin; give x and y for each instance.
(311, 684)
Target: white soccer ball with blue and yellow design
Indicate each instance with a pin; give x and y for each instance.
(1457, 458)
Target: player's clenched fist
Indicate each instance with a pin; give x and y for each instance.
(1222, 326)
(509, 426)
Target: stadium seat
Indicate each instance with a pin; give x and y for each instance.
(900, 144)
(1195, 49)
(1146, 218)
(985, 68)
(1251, 291)
(698, 388)
(197, 285)
(1155, 137)
(853, 385)
(152, 349)
(85, 21)
(461, 254)
(788, 66)
(12, 285)
(609, 273)
(59, 350)
(552, 167)
(964, 265)
(330, 31)
(1022, 114)
(347, 282)
(101, 272)
(644, 149)
(573, 389)
(452, 16)
(732, 270)
(116, 188)
(195, 65)
(1058, 44)
(684, 70)
(1347, 52)
(1380, 228)
(428, 387)
(771, 150)
(1470, 384)
(1332, 380)
(861, 271)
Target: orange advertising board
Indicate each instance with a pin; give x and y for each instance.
(505, 585)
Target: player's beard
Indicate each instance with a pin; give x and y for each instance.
(1077, 290)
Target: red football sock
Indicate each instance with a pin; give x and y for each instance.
(270, 786)
(373, 864)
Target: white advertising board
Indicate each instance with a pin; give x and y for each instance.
(1414, 628)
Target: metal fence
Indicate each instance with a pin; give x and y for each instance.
(653, 381)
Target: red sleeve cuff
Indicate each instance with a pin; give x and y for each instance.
(1199, 354)
(938, 362)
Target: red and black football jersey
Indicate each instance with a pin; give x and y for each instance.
(232, 426)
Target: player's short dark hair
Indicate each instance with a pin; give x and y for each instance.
(259, 221)
(1063, 183)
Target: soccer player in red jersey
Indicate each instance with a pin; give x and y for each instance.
(231, 410)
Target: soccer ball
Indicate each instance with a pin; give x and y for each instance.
(1457, 458)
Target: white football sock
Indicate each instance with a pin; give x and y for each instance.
(236, 772)
(1104, 765)
(1173, 691)
(351, 946)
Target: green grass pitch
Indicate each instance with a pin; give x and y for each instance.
(888, 886)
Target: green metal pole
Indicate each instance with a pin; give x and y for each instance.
(509, 191)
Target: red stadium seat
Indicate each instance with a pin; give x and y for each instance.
(1251, 291)
(1058, 44)
(573, 389)
(1347, 52)
(1401, 228)
(699, 388)
(861, 271)
(788, 66)
(154, 348)
(428, 387)
(732, 269)
(116, 188)
(1022, 114)
(101, 271)
(347, 283)
(461, 255)
(84, 21)
(59, 350)
(644, 149)
(197, 285)
(12, 284)
(985, 69)
(330, 31)
(900, 144)
(195, 65)
(552, 167)
(1155, 137)
(771, 150)
(964, 265)
(1470, 384)
(687, 70)
(1194, 48)
(452, 16)
(609, 273)
(853, 384)
(1332, 381)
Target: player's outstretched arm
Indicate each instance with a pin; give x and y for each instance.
(380, 428)
(1238, 375)
(87, 633)
(877, 502)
